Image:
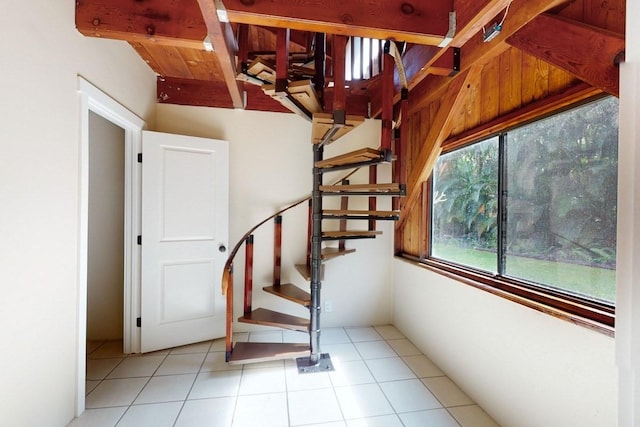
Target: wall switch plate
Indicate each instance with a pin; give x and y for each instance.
(328, 306)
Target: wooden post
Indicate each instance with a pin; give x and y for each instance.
(319, 60)
(425, 217)
(388, 89)
(400, 147)
(344, 205)
(373, 179)
(228, 278)
(248, 274)
(277, 250)
(399, 169)
(339, 82)
(282, 60)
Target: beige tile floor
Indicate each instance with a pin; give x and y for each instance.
(380, 379)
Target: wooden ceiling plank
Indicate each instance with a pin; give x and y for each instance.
(580, 92)
(170, 61)
(224, 44)
(178, 24)
(403, 20)
(451, 105)
(587, 52)
(192, 92)
(146, 56)
(202, 64)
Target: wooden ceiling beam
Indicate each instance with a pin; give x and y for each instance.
(178, 24)
(403, 20)
(418, 61)
(473, 15)
(421, 61)
(520, 14)
(476, 51)
(212, 94)
(225, 46)
(593, 59)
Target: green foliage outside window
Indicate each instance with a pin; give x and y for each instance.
(559, 184)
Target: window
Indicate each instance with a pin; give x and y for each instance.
(554, 228)
(363, 60)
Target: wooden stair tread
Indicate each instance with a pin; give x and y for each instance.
(263, 316)
(322, 124)
(370, 188)
(330, 253)
(363, 213)
(290, 292)
(262, 69)
(302, 91)
(254, 352)
(305, 271)
(351, 233)
(362, 155)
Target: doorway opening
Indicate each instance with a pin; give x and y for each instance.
(97, 107)
(105, 244)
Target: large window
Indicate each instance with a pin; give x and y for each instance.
(535, 205)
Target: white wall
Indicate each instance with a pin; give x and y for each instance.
(271, 161)
(525, 368)
(105, 271)
(42, 55)
(628, 261)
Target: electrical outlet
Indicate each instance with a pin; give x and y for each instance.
(328, 306)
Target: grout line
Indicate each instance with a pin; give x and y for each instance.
(143, 387)
(245, 370)
(186, 397)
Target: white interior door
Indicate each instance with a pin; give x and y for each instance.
(185, 194)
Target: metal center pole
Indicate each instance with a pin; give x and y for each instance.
(316, 362)
(316, 256)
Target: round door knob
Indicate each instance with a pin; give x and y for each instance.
(222, 248)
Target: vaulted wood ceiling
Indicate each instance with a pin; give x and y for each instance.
(583, 37)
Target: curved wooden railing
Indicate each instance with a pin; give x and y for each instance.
(227, 274)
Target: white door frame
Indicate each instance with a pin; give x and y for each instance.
(93, 99)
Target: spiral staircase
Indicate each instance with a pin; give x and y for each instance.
(303, 88)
